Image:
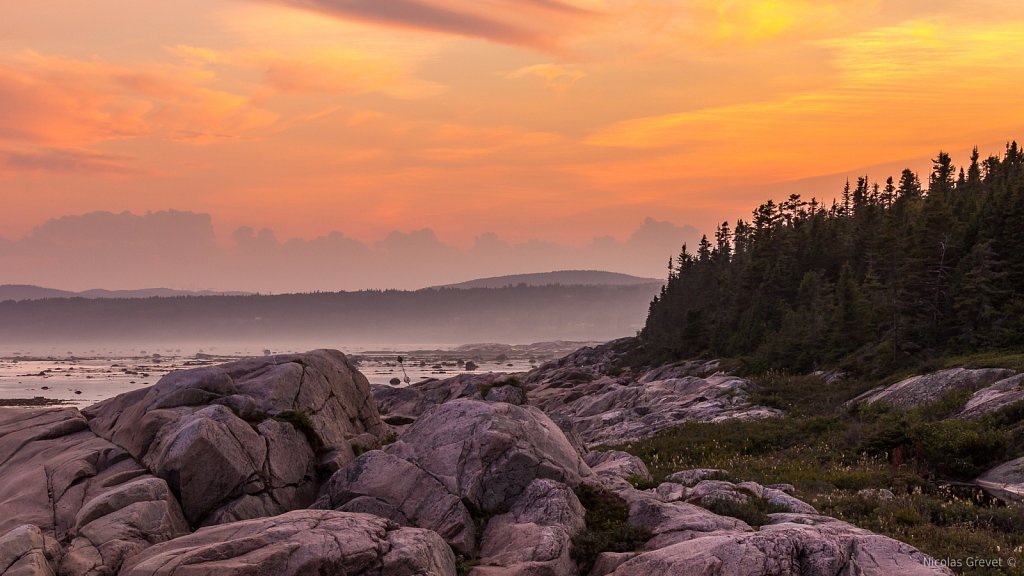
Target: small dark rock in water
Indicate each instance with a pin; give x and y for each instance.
(45, 387)
(394, 381)
(78, 391)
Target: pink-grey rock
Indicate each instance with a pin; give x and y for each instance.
(796, 544)
(534, 537)
(80, 491)
(617, 463)
(487, 453)
(26, 551)
(603, 408)
(877, 494)
(385, 485)
(120, 523)
(693, 476)
(777, 497)
(299, 543)
(607, 562)
(413, 400)
(211, 432)
(994, 397)
(671, 522)
(787, 488)
(671, 492)
(504, 462)
(1005, 481)
(706, 492)
(920, 391)
(613, 409)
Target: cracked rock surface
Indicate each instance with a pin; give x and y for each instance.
(469, 468)
(608, 409)
(118, 487)
(209, 473)
(793, 544)
(918, 391)
(236, 441)
(299, 543)
(579, 392)
(76, 489)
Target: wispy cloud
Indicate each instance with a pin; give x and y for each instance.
(65, 161)
(532, 23)
(66, 103)
(555, 77)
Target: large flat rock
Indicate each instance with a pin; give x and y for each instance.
(925, 389)
(1006, 481)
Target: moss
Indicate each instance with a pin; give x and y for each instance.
(608, 528)
(463, 565)
(399, 420)
(302, 422)
(753, 511)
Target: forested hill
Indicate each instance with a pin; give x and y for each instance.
(390, 317)
(888, 275)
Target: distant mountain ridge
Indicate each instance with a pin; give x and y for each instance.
(515, 314)
(30, 292)
(563, 277)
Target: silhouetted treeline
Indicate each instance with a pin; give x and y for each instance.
(886, 275)
(512, 314)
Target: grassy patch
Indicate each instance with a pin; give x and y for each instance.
(993, 359)
(608, 529)
(804, 394)
(303, 423)
(463, 565)
(485, 389)
(831, 453)
(753, 511)
(399, 420)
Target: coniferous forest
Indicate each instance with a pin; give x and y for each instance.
(887, 275)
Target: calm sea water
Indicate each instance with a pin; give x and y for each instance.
(85, 376)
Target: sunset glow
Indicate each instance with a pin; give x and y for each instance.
(561, 120)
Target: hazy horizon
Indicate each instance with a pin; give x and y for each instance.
(180, 250)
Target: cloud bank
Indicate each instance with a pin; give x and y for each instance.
(176, 249)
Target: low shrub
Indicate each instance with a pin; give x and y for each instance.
(608, 528)
(753, 511)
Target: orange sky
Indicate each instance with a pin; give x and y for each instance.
(553, 119)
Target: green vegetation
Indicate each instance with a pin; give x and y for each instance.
(485, 389)
(608, 529)
(829, 453)
(754, 511)
(303, 423)
(889, 277)
(889, 281)
(399, 420)
(463, 565)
